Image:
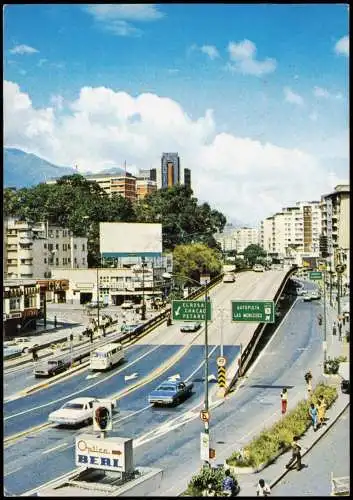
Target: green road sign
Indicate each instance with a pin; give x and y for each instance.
(315, 275)
(191, 310)
(258, 311)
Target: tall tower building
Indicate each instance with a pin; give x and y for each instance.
(170, 167)
(187, 177)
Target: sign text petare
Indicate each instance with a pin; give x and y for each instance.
(113, 454)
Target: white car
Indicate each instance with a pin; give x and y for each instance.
(258, 268)
(26, 344)
(75, 412)
(128, 304)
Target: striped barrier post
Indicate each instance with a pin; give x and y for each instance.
(221, 376)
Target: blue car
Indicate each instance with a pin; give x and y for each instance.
(170, 392)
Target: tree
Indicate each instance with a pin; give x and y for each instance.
(183, 220)
(252, 252)
(191, 260)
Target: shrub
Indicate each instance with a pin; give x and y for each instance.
(203, 478)
(332, 366)
(270, 442)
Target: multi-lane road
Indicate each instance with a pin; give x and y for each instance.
(36, 452)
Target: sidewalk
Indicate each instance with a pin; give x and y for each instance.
(276, 471)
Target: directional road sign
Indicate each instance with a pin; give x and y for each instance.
(204, 415)
(315, 275)
(191, 310)
(258, 311)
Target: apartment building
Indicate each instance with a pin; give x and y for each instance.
(293, 233)
(335, 224)
(245, 236)
(34, 250)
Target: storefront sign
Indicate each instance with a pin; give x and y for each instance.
(27, 313)
(54, 285)
(113, 453)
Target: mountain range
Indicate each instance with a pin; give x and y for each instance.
(26, 169)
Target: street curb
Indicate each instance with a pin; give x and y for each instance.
(313, 443)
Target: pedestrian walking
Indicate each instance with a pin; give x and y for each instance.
(321, 410)
(55, 322)
(340, 329)
(313, 415)
(263, 489)
(284, 400)
(228, 484)
(296, 454)
(308, 379)
(334, 328)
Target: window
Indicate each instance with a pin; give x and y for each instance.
(57, 246)
(14, 304)
(45, 245)
(45, 260)
(83, 261)
(75, 246)
(64, 261)
(75, 260)
(50, 247)
(57, 233)
(68, 246)
(57, 261)
(83, 247)
(64, 247)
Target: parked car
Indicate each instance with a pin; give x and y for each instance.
(94, 304)
(50, 367)
(258, 268)
(190, 327)
(78, 411)
(301, 291)
(26, 344)
(128, 304)
(170, 392)
(132, 328)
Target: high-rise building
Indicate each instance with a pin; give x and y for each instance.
(170, 168)
(144, 187)
(187, 177)
(245, 236)
(335, 224)
(294, 232)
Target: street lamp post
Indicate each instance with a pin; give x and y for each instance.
(168, 276)
(143, 312)
(324, 320)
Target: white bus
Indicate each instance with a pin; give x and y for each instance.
(106, 356)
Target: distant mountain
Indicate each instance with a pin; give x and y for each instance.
(25, 169)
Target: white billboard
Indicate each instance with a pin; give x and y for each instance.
(130, 239)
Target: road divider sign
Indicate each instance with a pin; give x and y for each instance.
(221, 361)
(221, 376)
(258, 311)
(204, 415)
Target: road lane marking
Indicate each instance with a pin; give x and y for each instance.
(33, 430)
(55, 448)
(11, 472)
(84, 389)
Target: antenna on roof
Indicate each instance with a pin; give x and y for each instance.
(125, 167)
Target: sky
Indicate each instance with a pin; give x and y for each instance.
(254, 98)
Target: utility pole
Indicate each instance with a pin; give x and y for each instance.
(206, 363)
(324, 322)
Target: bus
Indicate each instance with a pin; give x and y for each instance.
(105, 357)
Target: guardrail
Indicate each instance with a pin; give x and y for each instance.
(246, 355)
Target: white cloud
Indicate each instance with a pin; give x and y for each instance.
(243, 59)
(57, 101)
(23, 49)
(118, 18)
(342, 46)
(210, 50)
(313, 116)
(173, 71)
(102, 127)
(322, 93)
(41, 62)
(292, 97)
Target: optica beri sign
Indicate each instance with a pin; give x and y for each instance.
(114, 453)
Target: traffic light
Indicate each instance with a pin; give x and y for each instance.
(323, 246)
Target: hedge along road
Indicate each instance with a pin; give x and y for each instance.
(136, 419)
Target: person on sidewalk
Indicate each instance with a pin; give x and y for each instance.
(314, 416)
(340, 329)
(296, 454)
(263, 489)
(334, 328)
(284, 400)
(228, 484)
(321, 410)
(308, 379)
